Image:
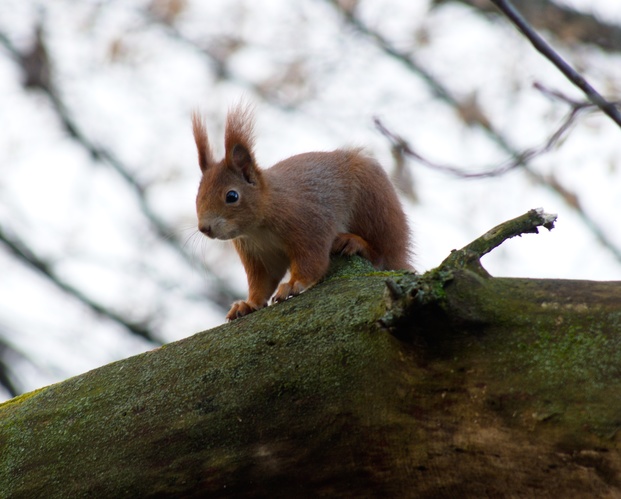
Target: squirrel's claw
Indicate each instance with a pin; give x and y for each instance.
(286, 290)
(282, 293)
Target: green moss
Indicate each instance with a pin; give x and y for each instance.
(320, 349)
(19, 399)
(355, 266)
(308, 369)
(546, 352)
(549, 359)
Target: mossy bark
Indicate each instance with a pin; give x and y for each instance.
(450, 384)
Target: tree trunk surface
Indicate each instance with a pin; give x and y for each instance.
(449, 384)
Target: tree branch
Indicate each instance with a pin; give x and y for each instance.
(566, 23)
(400, 296)
(546, 50)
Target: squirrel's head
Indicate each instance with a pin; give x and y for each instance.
(228, 203)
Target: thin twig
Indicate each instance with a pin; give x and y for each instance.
(546, 50)
(577, 107)
(517, 161)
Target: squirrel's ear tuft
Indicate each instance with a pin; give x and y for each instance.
(239, 128)
(238, 142)
(205, 157)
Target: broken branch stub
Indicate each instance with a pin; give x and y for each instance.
(471, 254)
(419, 292)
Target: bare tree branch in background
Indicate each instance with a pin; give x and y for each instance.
(546, 50)
(6, 379)
(577, 108)
(566, 23)
(403, 148)
(38, 73)
(34, 262)
(9, 357)
(348, 12)
(217, 56)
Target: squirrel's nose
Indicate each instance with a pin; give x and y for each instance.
(206, 229)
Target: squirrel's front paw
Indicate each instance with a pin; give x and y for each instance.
(287, 290)
(241, 308)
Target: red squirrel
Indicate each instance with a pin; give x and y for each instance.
(293, 215)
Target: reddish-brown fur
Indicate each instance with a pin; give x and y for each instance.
(296, 213)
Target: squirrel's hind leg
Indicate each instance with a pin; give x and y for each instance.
(352, 244)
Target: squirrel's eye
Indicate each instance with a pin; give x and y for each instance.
(232, 197)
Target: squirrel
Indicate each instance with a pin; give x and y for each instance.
(297, 213)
